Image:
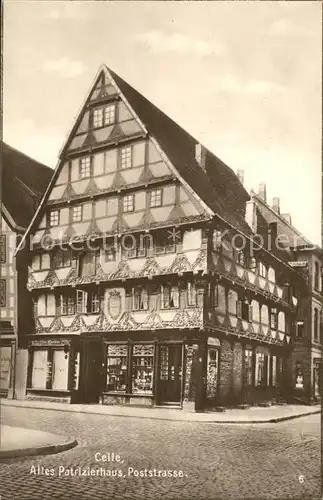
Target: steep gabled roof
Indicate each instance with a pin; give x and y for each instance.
(23, 183)
(218, 187)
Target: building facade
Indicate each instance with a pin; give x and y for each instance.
(23, 183)
(148, 285)
(307, 258)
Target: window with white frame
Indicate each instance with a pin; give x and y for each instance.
(139, 298)
(170, 296)
(53, 218)
(262, 270)
(87, 263)
(109, 114)
(261, 369)
(273, 318)
(62, 258)
(98, 117)
(241, 258)
(39, 369)
(50, 369)
(252, 264)
(191, 294)
(248, 366)
(244, 310)
(88, 302)
(85, 167)
(66, 304)
(126, 157)
(128, 203)
(77, 213)
(156, 198)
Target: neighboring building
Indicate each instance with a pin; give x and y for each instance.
(160, 310)
(23, 182)
(307, 258)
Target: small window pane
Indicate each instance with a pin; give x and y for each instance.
(126, 157)
(85, 167)
(117, 359)
(109, 114)
(77, 213)
(39, 370)
(60, 370)
(54, 218)
(156, 198)
(98, 117)
(128, 204)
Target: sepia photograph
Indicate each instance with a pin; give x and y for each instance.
(161, 256)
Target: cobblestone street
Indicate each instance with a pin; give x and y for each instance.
(278, 461)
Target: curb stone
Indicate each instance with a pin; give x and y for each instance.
(40, 450)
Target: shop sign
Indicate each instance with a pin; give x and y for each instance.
(298, 263)
(50, 342)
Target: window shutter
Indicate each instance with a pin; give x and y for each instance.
(239, 309)
(250, 313)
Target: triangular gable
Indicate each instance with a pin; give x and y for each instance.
(106, 77)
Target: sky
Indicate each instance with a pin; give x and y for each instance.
(244, 78)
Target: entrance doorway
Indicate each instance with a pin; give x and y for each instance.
(170, 373)
(91, 371)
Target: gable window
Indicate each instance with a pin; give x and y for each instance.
(3, 248)
(248, 366)
(77, 213)
(66, 305)
(85, 167)
(273, 318)
(244, 310)
(156, 198)
(3, 286)
(88, 302)
(97, 117)
(62, 258)
(53, 218)
(191, 294)
(316, 276)
(139, 299)
(128, 203)
(170, 297)
(126, 157)
(262, 270)
(109, 114)
(87, 263)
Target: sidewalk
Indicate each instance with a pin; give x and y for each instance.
(252, 415)
(19, 442)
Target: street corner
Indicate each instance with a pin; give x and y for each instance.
(17, 442)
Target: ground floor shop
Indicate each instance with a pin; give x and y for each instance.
(177, 369)
(7, 363)
(306, 369)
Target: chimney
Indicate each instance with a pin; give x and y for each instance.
(276, 205)
(262, 191)
(251, 215)
(200, 155)
(287, 218)
(240, 175)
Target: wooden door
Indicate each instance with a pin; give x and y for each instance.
(170, 373)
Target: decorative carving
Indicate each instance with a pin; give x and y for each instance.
(151, 268)
(200, 262)
(123, 271)
(114, 304)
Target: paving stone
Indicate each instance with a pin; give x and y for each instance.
(219, 461)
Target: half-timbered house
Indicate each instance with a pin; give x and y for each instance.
(148, 282)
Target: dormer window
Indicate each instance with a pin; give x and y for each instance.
(85, 167)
